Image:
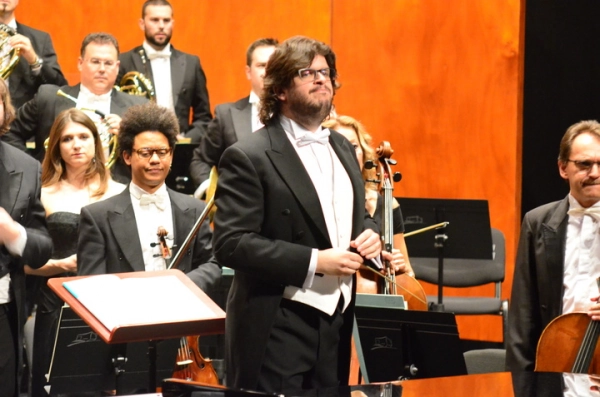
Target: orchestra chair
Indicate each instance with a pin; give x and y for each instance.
(485, 361)
(463, 273)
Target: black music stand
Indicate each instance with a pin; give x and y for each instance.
(82, 362)
(407, 344)
(179, 178)
(467, 236)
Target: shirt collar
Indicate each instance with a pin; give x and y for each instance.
(12, 24)
(254, 99)
(89, 94)
(149, 50)
(295, 129)
(137, 191)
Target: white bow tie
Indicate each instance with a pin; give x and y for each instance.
(157, 55)
(321, 137)
(158, 200)
(594, 212)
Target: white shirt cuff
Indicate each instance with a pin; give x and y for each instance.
(17, 246)
(312, 267)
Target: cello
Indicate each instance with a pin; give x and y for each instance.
(577, 336)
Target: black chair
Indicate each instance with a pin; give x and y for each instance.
(464, 273)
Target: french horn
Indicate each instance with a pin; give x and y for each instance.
(9, 56)
(135, 83)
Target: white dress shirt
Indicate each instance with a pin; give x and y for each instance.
(333, 186)
(255, 101)
(160, 61)
(149, 217)
(582, 261)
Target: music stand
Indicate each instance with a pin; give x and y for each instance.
(467, 236)
(406, 344)
(150, 331)
(179, 178)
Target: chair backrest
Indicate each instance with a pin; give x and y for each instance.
(483, 361)
(465, 272)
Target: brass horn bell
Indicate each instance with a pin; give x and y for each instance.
(135, 83)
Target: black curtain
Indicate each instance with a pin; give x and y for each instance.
(561, 87)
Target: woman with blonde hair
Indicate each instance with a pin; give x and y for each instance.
(73, 175)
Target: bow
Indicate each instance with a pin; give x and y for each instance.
(321, 137)
(159, 201)
(157, 55)
(594, 212)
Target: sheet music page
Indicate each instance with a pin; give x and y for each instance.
(134, 301)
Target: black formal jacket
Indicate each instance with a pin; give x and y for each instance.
(537, 290)
(23, 84)
(20, 181)
(233, 121)
(109, 240)
(35, 119)
(188, 83)
(269, 219)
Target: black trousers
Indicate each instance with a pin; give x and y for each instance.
(302, 351)
(8, 349)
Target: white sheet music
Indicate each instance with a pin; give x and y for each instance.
(118, 301)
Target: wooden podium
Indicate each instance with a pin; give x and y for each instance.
(211, 322)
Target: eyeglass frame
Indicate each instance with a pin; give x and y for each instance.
(584, 165)
(153, 151)
(332, 74)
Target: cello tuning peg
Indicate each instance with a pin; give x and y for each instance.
(370, 164)
(397, 177)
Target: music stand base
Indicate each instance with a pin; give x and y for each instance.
(436, 307)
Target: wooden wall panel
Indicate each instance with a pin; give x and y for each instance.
(439, 79)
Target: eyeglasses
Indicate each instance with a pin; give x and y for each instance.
(308, 74)
(584, 165)
(98, 63)
(147, 152)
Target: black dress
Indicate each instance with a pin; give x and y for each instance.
(63, 230)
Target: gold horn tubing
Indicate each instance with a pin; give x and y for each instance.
(12, 54)
(135, 83)
(436, 226)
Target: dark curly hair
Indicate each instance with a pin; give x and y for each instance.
(290, 56)
(144, 118)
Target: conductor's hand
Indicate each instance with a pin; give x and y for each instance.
(367, 244)
(338, 262)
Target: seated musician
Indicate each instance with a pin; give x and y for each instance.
(358, 136)
(120, 234)
(73, 175)
(98, 65)
(558, 258)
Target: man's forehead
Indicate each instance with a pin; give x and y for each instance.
(101, 51)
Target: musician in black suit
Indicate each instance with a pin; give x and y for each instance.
(24, 239)
(38, 64)
(99, 65)
(558, 258)
(291, 209)
(178, 79)
(233, 120)
(119, 234)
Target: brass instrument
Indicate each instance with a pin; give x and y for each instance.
(136, 83)
(109, 141)
(9, 56)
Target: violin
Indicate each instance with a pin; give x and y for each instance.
(190, 365)
(576, 335)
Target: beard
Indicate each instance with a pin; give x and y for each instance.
(150, 39)
(306, 111)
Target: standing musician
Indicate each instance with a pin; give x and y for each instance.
(120, 234)
(358, 136)
(38, 64)
(234, 120)
(73, 175)
(24, 239)
(558, 258)
(178, 79)
(291, 221)
(98, 65)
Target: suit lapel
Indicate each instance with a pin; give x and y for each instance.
(241, 115)
(124, 227)
(183, 222)
(177, 72)
(289, 166)
(10, 180)
(554, 234)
